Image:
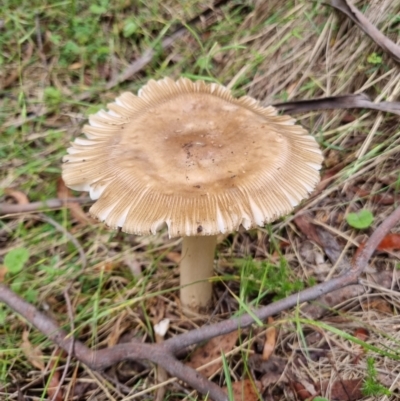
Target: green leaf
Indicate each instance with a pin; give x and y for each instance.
(130, 27)
(374, 58)
(95, 9)
(16, 259)
(320, 399)
(362, 219)
(3, 316)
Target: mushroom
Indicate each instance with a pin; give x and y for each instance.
(190, 157)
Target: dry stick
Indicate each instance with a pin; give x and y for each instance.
(362, 22)
(163, 354)
(71, 347)
(349, 277)
(7, 208)
(360, 101)
(98, 360)
(63, 230)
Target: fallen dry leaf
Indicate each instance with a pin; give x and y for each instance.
(18, 196)
(245, 390)
(54, 382)
(342, 390)
(116, 331)
(3, 272)
(271, 370)
(327, 177)
(212, 350)
(379, 305)
(361, 333)
(390, 242)
(304, 224)
(174, 257)
(75, 208)
(332, 159)
(75, 66)
(33, 354)
(328, 241)
(300, 391)
(270, 340)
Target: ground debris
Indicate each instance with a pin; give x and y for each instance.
(213, 350)
(341, 390)
(245, 390)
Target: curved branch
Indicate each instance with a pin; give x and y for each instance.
(163, 353)
(101, 359)
(7, 208)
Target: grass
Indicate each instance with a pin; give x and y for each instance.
(53, 52)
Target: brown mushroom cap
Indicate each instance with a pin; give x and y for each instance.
(190, 156)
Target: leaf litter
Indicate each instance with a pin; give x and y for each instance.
(209, 355)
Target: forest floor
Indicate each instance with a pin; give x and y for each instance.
(60, 62)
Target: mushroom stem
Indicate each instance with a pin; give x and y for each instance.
(196, 268)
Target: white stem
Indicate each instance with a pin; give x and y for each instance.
(197, 266)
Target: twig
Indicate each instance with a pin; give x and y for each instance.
(61, 229)
(163, 353)
(7, 208)
(360, 101)
(99, 360)
(71, 348)
(362, 22)
(39, 40)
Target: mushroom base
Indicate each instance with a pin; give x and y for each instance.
(197, 266)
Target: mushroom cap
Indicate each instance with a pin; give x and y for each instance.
(190, 156)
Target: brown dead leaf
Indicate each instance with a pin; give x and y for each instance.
(361, 333)
(174, 257)
(301, 392)
(3, 272)
(332, 159)
(108, 266)
(390, 242)
(18, 196)
(33, 354)
(212, 350)
(77, 212)
(245, 390)
(116, 331)
(75, 66)
(270, 340)
(379, 305)
(304, 224)
(55, 378)
(342, 390)
(272, 370)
